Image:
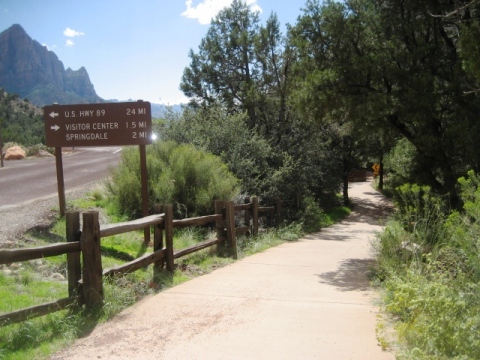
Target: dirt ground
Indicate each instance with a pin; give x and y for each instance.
(16, 221)
(308, 299)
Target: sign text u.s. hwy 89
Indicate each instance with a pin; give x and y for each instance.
(108, 124)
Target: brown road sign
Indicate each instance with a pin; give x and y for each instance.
(109, 124)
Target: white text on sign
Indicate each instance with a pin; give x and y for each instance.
(94, 126)
(84, 113)
(136, 111)
(88, 136)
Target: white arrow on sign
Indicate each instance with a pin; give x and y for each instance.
(53, 114)
(56, 127)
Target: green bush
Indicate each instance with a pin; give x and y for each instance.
(20, 121)
(422, 213)
(246, 154)
(464, 229)
(35, 149)
(438, 319)
(433, 290)
(312, 215)
(10, 144)
(400, 164)
(181, 175)
(291, 166)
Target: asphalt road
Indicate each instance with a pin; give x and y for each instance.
(23, 181)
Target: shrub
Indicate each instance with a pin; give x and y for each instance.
(400, 163)
(10, 144)
(437, 319)
(464, 231)
(35, 149)
(190, 179)
(312, 215)
(435, 293)
(246, 154)
(421, 212)
(289, 165)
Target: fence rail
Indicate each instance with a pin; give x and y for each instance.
(8, 256)
(39, 310)
(127, 226)
(85, 278)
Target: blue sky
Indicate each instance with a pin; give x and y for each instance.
(131, 49)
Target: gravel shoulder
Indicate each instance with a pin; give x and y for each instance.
(15, 222)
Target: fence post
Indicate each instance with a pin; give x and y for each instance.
(74, 269)
(168, 221)
(158, 240)
(279, 215)
(255, 215)
(220, 224)
(247, 215)
(92, 260)
(230, 222)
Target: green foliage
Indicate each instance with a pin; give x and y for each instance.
(334, 215)
(388, 250)
(438, 319)
(464, 229)
(421, 212)
(240, 64)
(246, 154)
(40, 337)
(312, 215)
(25, 289)
(433, 288)
(255, 129)
(11, 144)
(400, 164)
(20, 121)
(122, 292)
(36, 148)
(326, 62)
(469, 51)
(288, 170)
(471, 195)
(96, 198)
(365, 62)
(177, 174)
(29, 339)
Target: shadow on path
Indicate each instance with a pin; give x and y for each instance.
(373, 210)
(330, 236)
(370, 208)
(352, 275)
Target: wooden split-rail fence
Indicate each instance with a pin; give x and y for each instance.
(83, 248)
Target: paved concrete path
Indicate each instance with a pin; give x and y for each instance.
(308, 299)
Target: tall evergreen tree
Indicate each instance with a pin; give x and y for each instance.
(393, 65)
(246, 67)
(226, 68)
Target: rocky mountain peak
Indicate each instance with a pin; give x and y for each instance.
(32, 71)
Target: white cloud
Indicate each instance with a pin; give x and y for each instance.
(49, 47)
(69, 43)
(72, 33)
(208, 9)
(181, 99)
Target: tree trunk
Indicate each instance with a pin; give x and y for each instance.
(346, 200)
(380, 174)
